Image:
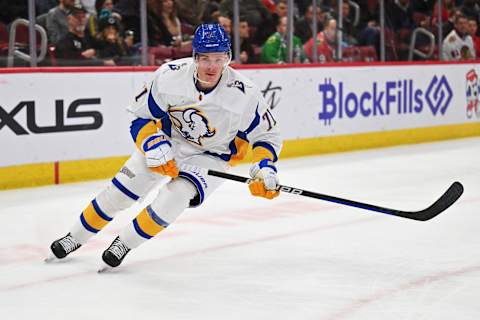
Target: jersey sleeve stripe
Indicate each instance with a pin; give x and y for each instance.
(165, 124)
(254, 124)
(154, 108)
(262, 150)
(141, 129)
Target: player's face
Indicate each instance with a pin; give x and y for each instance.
(210, 66)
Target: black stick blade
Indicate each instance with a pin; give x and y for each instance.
(443, 203)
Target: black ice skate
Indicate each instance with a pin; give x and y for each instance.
(115, 254)
(63, 247)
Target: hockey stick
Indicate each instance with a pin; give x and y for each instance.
(445, 201)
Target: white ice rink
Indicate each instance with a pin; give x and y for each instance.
(243, 258)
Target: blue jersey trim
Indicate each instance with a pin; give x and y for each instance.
(254, 124)
(124, 190)
(267, 163)
(99, 211)
(268, 147)
(136, 126)
(154, 108)
(139, 230)
(242, 135)
(196, 183)
(86, 225)
(166, 126)
(233, 148)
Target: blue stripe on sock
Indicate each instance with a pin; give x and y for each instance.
(86, 225)
(99, 211)
(156, 218)
(125, 191)
(139, 230)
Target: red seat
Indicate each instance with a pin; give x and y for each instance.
(159, 55)
(182, 52)
(368, 53)
(3, 39)
(351, 54)
(22, 36)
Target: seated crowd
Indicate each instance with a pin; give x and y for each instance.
(107, 32)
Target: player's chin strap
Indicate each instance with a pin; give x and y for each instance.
(195, 70)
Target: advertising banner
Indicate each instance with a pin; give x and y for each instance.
(55, 116)
(319, 102)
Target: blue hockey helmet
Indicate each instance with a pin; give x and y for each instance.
(210, 37)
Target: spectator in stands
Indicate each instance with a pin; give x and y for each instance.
(74, 48)
(129, 10)
(458, 44)
(473, 32)
(470, 9)
(191, 11)
(57, 22)
(446, 9)
(43, 6)
(247, 51)
(303, 26)
(275, 48)
(399, 20)
(212, 12)
(325, 42)
(281, 9)
(270, 5)
(103, 10)
(109, 45)
(450, 24)
(398, 15)
(259, 18)
(164, 26)
(348, 29)
(89, 5)
(226, 24)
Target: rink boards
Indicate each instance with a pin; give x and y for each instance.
(64, 125)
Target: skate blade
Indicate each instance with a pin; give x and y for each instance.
(50, 258)
(104, 268)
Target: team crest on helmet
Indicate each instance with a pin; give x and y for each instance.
(192, 124)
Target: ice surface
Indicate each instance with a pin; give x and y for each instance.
(238, 257)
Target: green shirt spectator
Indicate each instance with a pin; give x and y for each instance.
(274, 49)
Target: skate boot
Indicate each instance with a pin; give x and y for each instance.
(115, 254)
(63, 247)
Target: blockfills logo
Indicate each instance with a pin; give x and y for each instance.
(401, 97)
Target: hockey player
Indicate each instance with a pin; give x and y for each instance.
(197, 113)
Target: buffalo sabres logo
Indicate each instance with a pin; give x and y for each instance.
(192, 124)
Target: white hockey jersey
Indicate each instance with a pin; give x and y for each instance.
(456, 48)
(220, 122)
